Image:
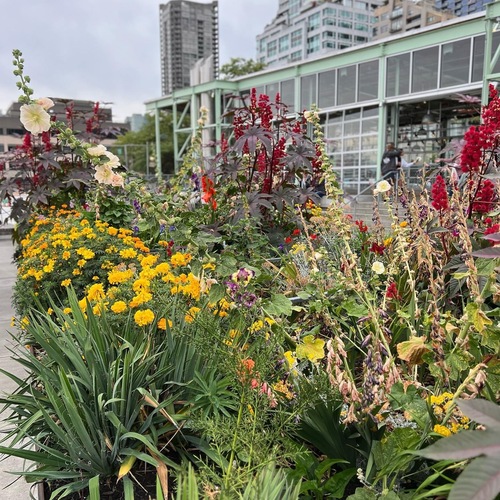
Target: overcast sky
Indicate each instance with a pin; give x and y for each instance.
(106, 50)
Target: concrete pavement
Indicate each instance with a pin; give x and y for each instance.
(10, 488)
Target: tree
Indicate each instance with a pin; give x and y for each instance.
(238, 66)
(135, 148)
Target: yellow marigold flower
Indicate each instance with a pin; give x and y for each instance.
(116, 276)
(180, 259)
(141, 298)
(283, 388)
(76, 272)
(67, 310)
(141, 284)
(81, 262)
(147, 273)
(50, 311)
(403, 223)
(49, 267)
(66, 255)
(99, 308)
(144, 317)
(83, 304)
(85, 253)
(84, 222)
(112, 231)
(128, 253)
(442, 430)
(96, 292)
(119, 306)
(149, 260)
(162, 268)
(189, 317)
(162, 324)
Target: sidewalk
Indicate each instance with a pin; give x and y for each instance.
(19, 490)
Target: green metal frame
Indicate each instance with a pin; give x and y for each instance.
(476, 24)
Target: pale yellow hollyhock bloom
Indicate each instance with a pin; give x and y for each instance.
(34, 118)
(117, 180)
(113, 160)
(103, 174)
(45, 102)
(382, 187)
(99, 150)
(378, 267)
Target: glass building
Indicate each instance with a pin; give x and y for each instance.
(420, 90)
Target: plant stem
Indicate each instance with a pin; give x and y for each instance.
(233, 444)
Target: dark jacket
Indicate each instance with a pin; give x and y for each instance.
(391, 161)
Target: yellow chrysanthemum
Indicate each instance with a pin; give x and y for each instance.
(180, 259)
(162, 324)
(117, 276)
(128, 253)
(119, 306)
(144, 317)
(66, 282)
(96, 292)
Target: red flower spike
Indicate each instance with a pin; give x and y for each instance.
(439, 194)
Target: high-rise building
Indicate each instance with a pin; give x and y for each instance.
(305, 29)
(462, 7)
(189, 31)
(399, 16)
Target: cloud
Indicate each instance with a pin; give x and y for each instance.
(107, 50)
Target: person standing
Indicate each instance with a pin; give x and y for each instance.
(391, 163)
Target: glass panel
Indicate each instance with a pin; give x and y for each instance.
(272, 90)
(455, 63)
(351, 144)
(288, 94)
(346, 85)
(495, 44)
(351, 128)
(351, 160)
(370, 112)
(478, 59)
(369, 142)
(370, 125)
(398, 75)
(326, 89)
(368, 157)
(307, 91)
(425, 69)
(368, 80)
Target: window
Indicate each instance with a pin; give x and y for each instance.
(478, 58)
(313, 44)
(271, 48)
(296, 56)
(313, 21)
(326, 89)
(425, 69)
(296, 38)
(283, 43)
(455, 63)
(345, 24)
(368, 80)
(398, 75)
(346, 14)
(307, 91)
(328, 34)
(329, 11)
(329, 21)
(346, 85)
(263, 44)
(288, 94)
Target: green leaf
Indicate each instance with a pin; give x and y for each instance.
(278, 305)
(217, 292)
(337, 484)
(94, 489)
(466, 444)
(363, 494)
(482, 411)
(480, 480)
(355, 309)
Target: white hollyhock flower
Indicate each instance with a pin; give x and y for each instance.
(382, 187)
(103, 174)
(45, 102)
(99, 150)
(34, 118)
(378, 267)
(113, 160)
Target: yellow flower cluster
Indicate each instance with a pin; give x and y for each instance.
(455, 421)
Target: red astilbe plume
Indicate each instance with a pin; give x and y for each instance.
(26, 145)
(485, 199)
(439, 194)
(46, 141)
